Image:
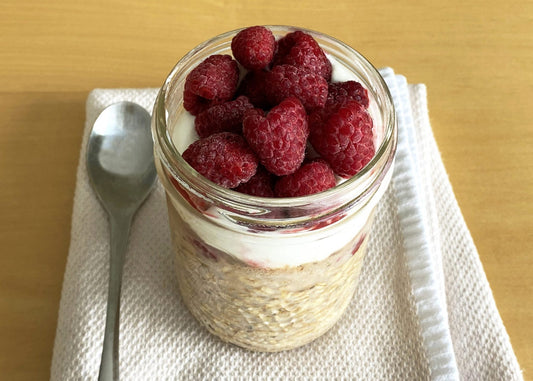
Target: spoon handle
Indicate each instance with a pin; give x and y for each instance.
(120, 228)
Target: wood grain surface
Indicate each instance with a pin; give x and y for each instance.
(474, 56)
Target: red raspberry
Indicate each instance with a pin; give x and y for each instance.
(213, 81)
(253, 86)
(301, 50)
(254, 47)
(223, 117)
(343, 138)
(340, 92)
(290, 81)
(279, 139)
(224, 158)
(313, 177)
(195, 104)
(261, 184)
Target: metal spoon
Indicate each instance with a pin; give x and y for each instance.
(121, 169)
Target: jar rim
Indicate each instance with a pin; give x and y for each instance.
(180, 169)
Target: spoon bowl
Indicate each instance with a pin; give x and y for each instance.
(120, 165)
(120, 159)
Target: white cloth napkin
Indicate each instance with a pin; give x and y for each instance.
(422, 310)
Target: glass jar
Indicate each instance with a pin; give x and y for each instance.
(269, 274)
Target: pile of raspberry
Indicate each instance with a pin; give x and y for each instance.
(284, 129)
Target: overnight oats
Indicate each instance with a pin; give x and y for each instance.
(274, 145)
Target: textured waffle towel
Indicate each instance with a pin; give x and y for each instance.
(409, 319)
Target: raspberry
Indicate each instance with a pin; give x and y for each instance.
(224, 158)
(338, 94)
(261, 184)
(253, 86)
(343, 138)
(279, 139)
(212, 82)
(223, 117)
(195, 104)
(290, 81)
(341, 92)
(254, 47)
(313, 177)
(301, 49)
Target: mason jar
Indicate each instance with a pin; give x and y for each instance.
(269, 274)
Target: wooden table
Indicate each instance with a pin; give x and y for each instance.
(474, 58)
